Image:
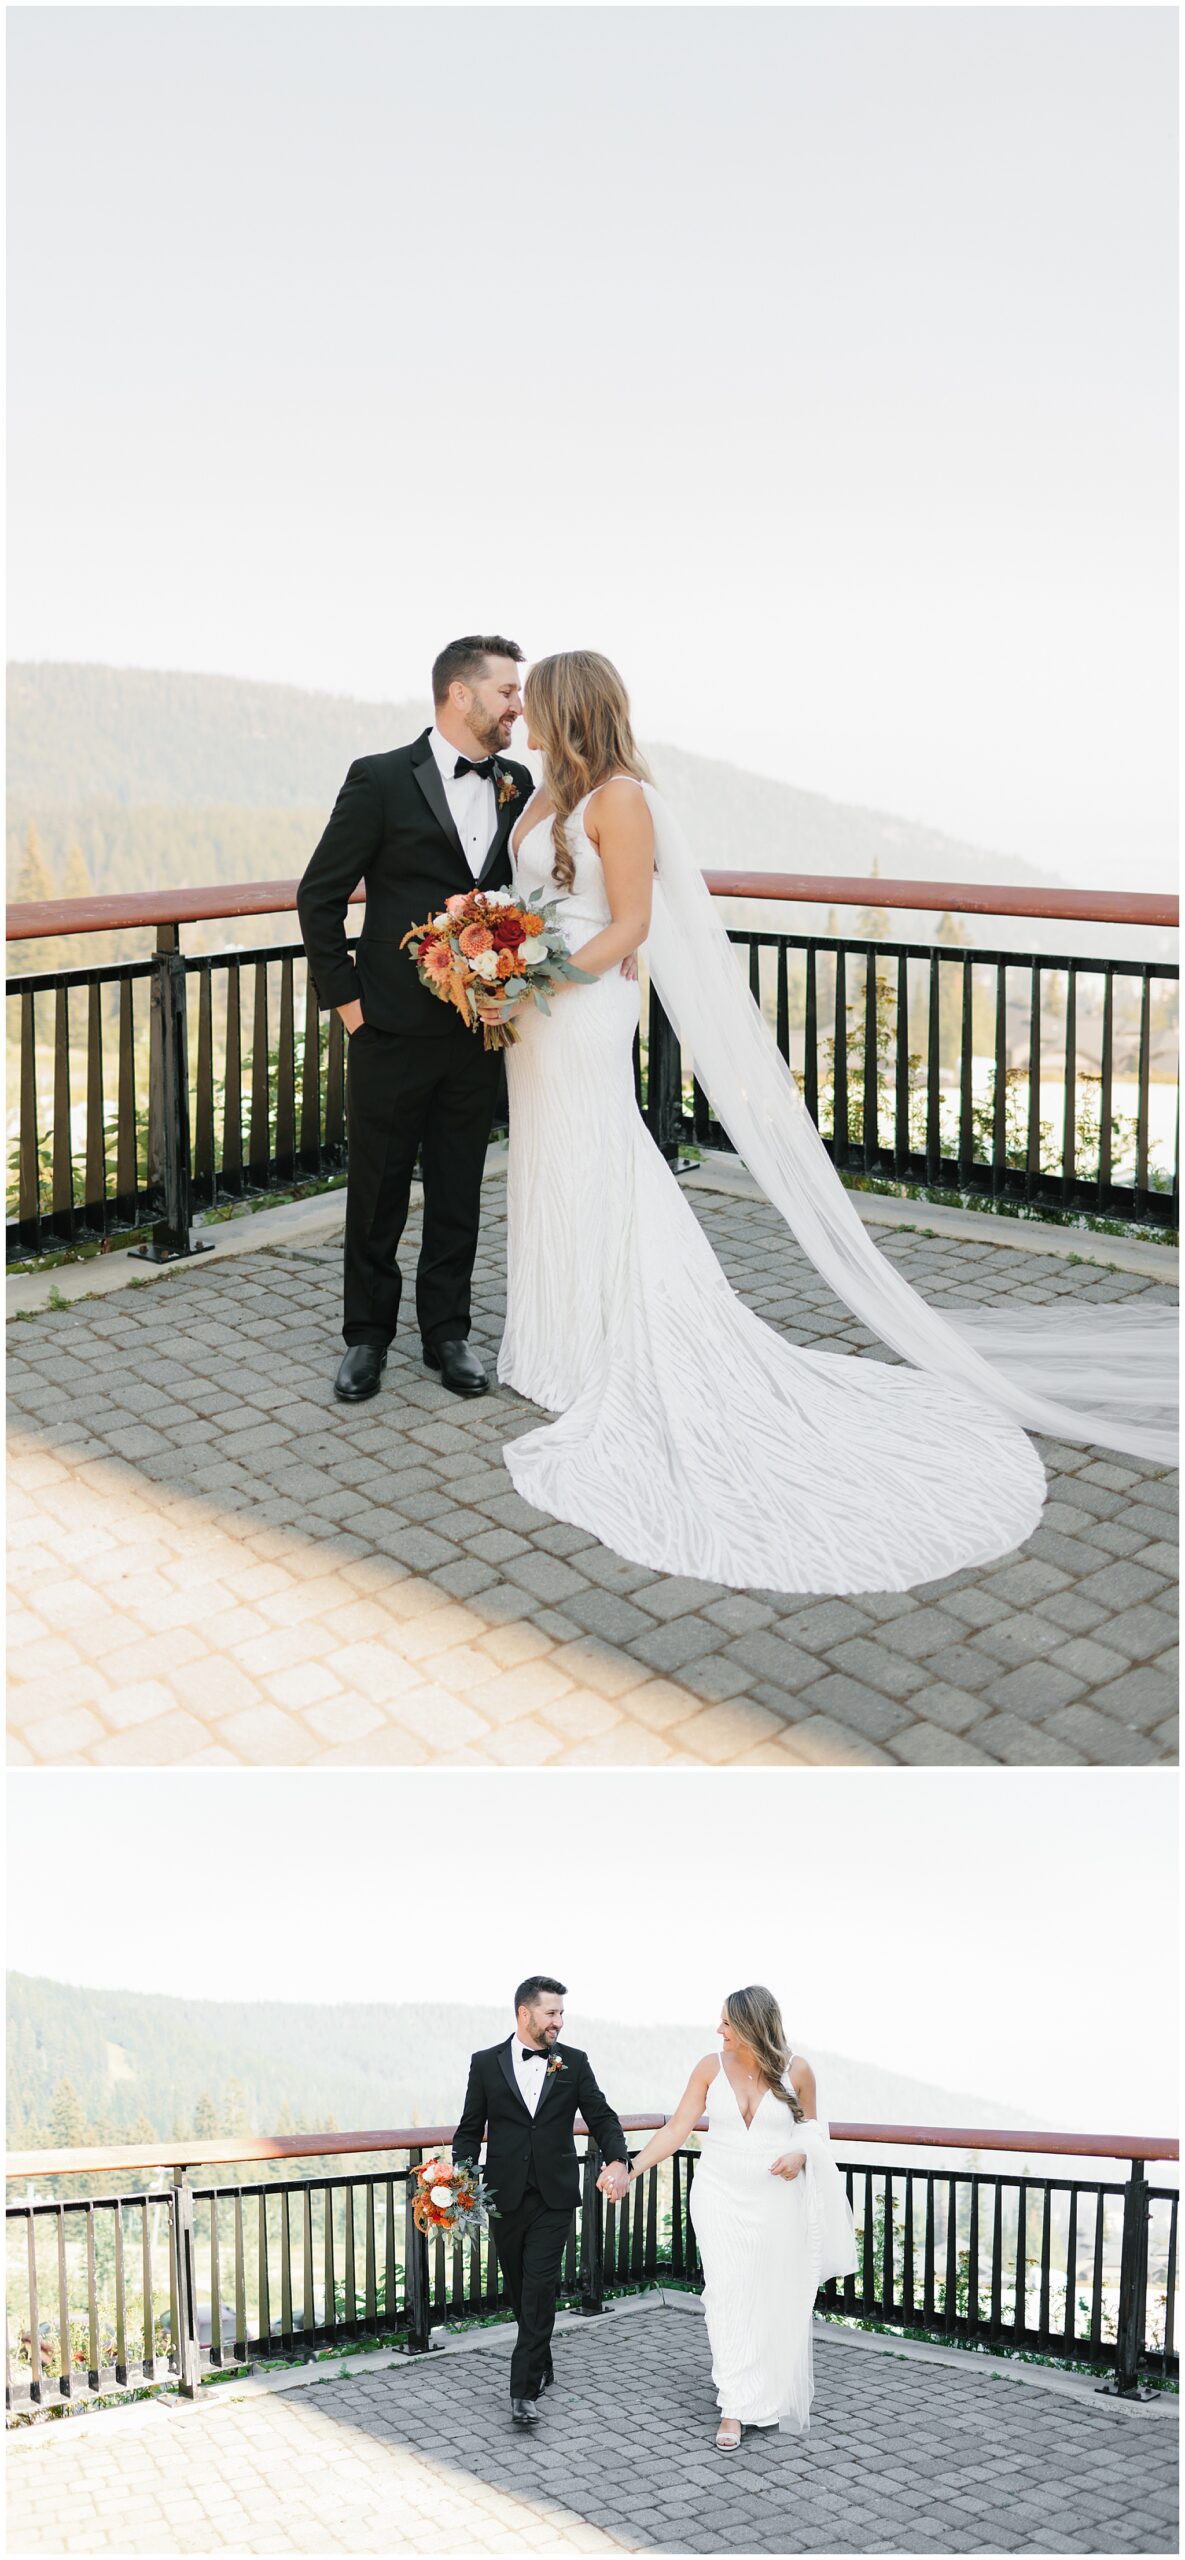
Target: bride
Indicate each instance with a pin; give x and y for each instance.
(771, 2216)
(691, 1437)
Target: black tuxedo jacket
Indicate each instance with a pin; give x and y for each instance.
(391, 827)
(542, 2146)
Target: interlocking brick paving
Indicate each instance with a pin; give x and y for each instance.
(905, 2454)
(215, 1563)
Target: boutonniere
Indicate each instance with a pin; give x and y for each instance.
(555, 2064)
(507, 787)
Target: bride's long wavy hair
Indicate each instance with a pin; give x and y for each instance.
(754, 2016)
(578, 709)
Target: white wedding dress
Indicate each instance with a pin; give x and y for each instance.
(691, 1437)
(766, 2244)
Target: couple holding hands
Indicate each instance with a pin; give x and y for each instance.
(768, 2205)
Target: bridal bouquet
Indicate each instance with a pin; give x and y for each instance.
(452, 2201)
(486, 949)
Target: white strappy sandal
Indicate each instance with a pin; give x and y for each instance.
(728, 2436)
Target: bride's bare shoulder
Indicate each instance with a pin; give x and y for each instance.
(707, 2067)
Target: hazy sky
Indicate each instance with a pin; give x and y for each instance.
(817, 363)
(1008, 1933)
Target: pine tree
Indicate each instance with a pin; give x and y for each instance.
(234, 2109)
(67, 2121)
(33, 879)
(205, 2119)
(76, 877)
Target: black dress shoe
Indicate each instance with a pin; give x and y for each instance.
(360, 1374)
(524, 2413)
(460, 1369)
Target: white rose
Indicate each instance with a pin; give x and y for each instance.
(535, 955)
(485, 964)
(442, 923)
(441, 2195)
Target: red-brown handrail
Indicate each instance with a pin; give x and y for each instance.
(41, 918)
(426, 2137)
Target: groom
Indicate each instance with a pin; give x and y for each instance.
(527, 2093)
(419, 824)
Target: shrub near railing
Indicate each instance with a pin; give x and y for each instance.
(193, 2278)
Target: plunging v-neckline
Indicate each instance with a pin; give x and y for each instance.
(750, 2121)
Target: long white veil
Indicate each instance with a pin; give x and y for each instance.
(1102, 1374)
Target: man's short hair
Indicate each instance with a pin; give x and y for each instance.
(528, 1991)
(465, 660)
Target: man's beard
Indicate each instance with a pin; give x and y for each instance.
(489, 730)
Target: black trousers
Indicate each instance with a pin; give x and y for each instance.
(530, 2243)
(407, 1094)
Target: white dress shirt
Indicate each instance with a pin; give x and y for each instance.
(529, 2075)
(473, 804)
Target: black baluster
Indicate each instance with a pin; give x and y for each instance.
(933, 1065)
(1140, 1203)
(121, 2306)
(232, 1095)
(95, 1187)
(1096, 2287)
(783, 1004)
(240, 2283)
(950, 2289)
(94, 2353)
(839, 1113)
(1070, 2322)
(204, 1181)
(65, 2358)
(264, 2284)
(1022, 2251)
(127, 1136)
(285, 1159)
(1106, 1073)
(329, 2285)
(966, 1042)
(259, 1137)
(1000, 1087)
(1033, 1151)
(1070, 1114)
(215, 2283)
(901, 1148)
(1046, 2254)
(63, 1161)
(149, 2363)
(870, 1133)
(29, 1194)
(34, 2308)
(810, 1050)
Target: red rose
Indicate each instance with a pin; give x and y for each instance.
(508, 933)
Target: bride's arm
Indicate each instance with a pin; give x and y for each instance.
(622, 830)
(684, 2121)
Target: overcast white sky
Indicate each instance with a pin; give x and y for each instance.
(817, 363)
(1006, 1932)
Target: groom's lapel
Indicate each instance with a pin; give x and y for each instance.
(508, 2076)
(550, 2079)
(427, 773)
(505, 821)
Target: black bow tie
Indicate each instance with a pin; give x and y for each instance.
(464, 764)
(528, 2056)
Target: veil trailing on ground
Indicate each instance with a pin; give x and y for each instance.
(1102, 1374)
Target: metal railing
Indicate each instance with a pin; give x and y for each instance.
(210, 1077)
(117, 2292)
